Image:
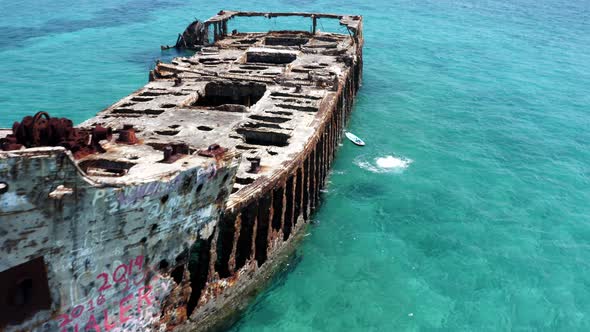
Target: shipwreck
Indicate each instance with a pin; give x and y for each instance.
(168, 210)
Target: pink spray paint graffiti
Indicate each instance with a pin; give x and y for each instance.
(138, 296)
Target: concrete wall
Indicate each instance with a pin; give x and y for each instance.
(77, 255)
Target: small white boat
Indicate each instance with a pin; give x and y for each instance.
(354, 139)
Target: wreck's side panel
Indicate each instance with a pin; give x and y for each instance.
(278, 212)
(79, 256)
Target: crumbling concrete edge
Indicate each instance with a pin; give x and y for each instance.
(221, 314)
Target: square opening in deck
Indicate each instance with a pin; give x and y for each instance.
(230, 93)
(285, 41)
(105, 167)
(270, 55)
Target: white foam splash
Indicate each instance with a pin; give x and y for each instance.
(393, 162)
(385, 164)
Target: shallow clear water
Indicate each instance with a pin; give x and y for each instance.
(469, 207)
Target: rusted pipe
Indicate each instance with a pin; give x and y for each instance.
(254, 165)
(99, 133)
(213, 151)
(174, 152)
(127, 135)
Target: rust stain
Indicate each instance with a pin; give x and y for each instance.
(42, 130)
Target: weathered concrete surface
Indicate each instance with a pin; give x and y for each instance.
(220, 315)
(111, 253)
(280, 99)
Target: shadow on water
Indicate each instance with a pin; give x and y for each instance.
(366, 190)
(14, 36)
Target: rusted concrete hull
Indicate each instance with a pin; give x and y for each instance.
(176, 204)
(257, 235)
(112, 258)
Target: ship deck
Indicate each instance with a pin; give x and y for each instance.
(261, 94)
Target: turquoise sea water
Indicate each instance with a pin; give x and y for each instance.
(469, 208)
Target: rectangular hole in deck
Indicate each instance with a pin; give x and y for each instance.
(105, 167)
(273, 119)
(292, 95)
(269, 55)
(298, 108)
(261, 125)
(244, 181)
(264, 137)
(223, 93)
(138, 111)
(286, 40)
